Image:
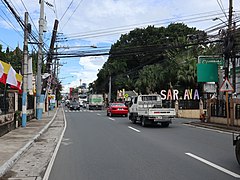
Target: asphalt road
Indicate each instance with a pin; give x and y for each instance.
(97, 147)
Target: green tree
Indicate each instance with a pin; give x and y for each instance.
(151, 59)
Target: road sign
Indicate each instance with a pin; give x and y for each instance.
(226, 86)
(211, 59)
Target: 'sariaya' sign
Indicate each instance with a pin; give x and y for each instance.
(173, 94)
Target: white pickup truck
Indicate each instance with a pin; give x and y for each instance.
(148, 110)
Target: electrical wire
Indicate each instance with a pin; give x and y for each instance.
(71, 15)
(10, 23)
(6, 44)
(143, 49)
(222, 8)
(66, 10)
(29, 15)
(158, 22)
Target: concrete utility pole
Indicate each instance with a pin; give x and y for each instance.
(25, 74)
(49, 63)
(229, 40)
(228, 51)
(110, 89)
(40, 98)
(51, 49)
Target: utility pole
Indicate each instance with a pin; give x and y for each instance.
(229, 40)
(25, 74)
(228, 49)
(110, 89)
(55, 63)
(40, 98)
(51, 49)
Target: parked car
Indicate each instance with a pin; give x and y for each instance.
(74, 105)
(117, 109)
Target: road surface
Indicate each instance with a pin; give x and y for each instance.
(98, 147)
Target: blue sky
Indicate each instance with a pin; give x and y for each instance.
(86, 23)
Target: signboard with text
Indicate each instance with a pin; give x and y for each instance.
(211, 59)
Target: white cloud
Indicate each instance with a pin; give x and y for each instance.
(88, 72)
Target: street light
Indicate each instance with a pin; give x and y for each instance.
(214, 19)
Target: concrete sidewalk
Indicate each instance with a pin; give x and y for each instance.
(15, 143)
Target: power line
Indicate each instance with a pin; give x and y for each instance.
(29, 15)
(222, 8)
(10, 23)
(21, 22)
(150, 49)
(157, 22)
(6, 44)
(66, 10)
(72, 14)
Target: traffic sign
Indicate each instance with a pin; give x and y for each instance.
(211, 59)
(226, 86)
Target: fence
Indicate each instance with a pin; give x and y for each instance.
(237, 111)
(218, 109)
(183, 104)
(7, 103)
(30, 102)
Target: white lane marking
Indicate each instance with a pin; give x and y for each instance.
(50, 164)
(134, 129)
(208, 129)
(214, 165)
(98, 114)
(112, 119)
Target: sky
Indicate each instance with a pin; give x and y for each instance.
(94, 25)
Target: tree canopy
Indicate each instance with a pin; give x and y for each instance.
(154, 58)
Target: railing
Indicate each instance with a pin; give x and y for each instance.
(218, 109)
(30, 102)
(7, 103)
(237, 111)
(188, 104)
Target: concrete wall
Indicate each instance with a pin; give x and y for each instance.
(7, 123)
(218, 120)
(195, 114)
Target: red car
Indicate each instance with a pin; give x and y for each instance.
(117, 109)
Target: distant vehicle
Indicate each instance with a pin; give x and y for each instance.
(95, 101)
(148, 110)
(74, 105)
(117, 109)
(67, 102)
(82, 98)
(85, 104)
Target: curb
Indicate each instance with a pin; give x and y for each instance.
(50, 164)
(215, 127)
(9, 164)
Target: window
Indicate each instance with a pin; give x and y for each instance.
(149, 98)
(135, 100)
